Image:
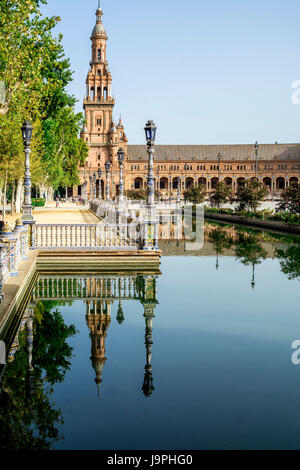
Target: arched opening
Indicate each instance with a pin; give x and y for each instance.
(175, 183)
(280, 183)
(228, 181)
(202, 181)
(241, 181)
(99, 93)
(293, 181)
(99, 54)
(163, 183)
(92, 93)
(97, 189)
(267, 182)
(189, 183)
(138, 183)
(105, 93)
(214, 182)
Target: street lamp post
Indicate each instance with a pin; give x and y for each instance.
(91, 187)
(107, 169)
(256, 152)
(94, 187)
(178, 190)
(27, 217)
(150, 131)
(100, 188)
(121, 158)
(219, 167)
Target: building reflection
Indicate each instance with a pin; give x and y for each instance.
(98, 318)
(99, 293)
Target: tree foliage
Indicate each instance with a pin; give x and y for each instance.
(28, 418)
(290, 261)
(195, 195)
(290, 200)
(250, 194)
(35, 73)
(248, 249)
(220, 195)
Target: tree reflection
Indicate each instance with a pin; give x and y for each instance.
(290, 261)
(221, 241)
(249, 251)
(28, 419)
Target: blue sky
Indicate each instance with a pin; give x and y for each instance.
(217, 72)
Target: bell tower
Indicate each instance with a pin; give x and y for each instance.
(101, 134)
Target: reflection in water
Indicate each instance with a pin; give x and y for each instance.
(38, 358)
(39, 355)
(98, 319)
(290, 261)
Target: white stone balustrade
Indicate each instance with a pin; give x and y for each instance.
(13, 249)
(84, 236)
(92, 287)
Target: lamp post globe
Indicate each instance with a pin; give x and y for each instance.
(150, 132)
(27, 130)
(27, 217)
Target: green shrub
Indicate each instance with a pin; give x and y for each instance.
(266, 214)
(38, 202)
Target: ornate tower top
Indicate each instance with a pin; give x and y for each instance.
(99, 28)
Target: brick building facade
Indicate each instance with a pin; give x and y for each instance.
(278, 165)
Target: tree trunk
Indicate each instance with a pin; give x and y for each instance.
(13, 197)
(18, 196)
(4, 195)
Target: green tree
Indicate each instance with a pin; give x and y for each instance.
(290, 200)
(220, 195)
(195, 195)
(136, 194)
(36, 73)
(250, 194)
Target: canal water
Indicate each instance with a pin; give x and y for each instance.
(197, 357)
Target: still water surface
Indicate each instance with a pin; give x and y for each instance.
(221, 374)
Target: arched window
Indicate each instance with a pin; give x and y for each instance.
(99, 54)
(105, 93)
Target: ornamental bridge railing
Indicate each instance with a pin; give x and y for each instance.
(93, 287)
(85, 237)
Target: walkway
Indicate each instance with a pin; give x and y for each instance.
(68, 213)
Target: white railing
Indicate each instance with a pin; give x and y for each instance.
(84, 236)
(86, 287)
(13, 249)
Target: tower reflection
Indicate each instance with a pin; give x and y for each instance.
(99, 293)
(98, 317)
